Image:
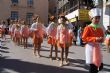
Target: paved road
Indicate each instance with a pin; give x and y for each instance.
(15, 59)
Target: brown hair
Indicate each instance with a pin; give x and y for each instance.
(34, 18)
(64, 18)
(52, 18)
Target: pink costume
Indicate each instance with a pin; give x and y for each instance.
(25, 31)
(63, 36)
(51, 32)
(13, 29)
(38, 30)
(17, 33)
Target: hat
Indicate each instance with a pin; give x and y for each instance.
(95, 12)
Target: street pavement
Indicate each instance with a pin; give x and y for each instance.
(16, 59)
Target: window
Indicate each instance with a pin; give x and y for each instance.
(14, 15)
(30, 2)
(29, 18)
(14, 1)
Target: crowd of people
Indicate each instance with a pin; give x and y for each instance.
(60, 34)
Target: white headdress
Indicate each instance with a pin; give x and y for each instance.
(95, 12)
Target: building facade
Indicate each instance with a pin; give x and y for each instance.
(76, 10)
(52, 7)
(106, 13)
(24, 9)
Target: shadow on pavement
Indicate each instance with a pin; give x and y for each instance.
(4, 48)
(2, 51)
(106, 69)
(30, 45)
(27, 67)
(81, 63)
(78, 63)
(48, 50)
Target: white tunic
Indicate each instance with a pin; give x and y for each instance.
(33, 27)
(89, 53)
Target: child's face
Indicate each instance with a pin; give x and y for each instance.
(96, 20)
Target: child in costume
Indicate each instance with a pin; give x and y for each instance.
(93, 35)
(38, 34)
(51, 32)
(107, 39)
(25, 33)
(2, 29)
(63, 39)
(17, 34)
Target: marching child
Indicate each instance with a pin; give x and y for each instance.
(25, 33)
(107, 39)
(2, 29)
(63, 38)
(51, 32)
(17, 34)
(12, 31)
(93, 35)
(38, 34)
(10, 28)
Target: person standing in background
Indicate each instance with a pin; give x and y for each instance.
(79, 37)
(107, 39)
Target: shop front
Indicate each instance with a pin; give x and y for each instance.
(80, 17)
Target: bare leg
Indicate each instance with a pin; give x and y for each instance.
(35, 45)
(18, 41)
(62, 56)
(38, 50)
(56, 52)
(26, 42)
(51, 50)
(66, 55)
(21, 41)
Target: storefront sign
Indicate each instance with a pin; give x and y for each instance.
(83, 15)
